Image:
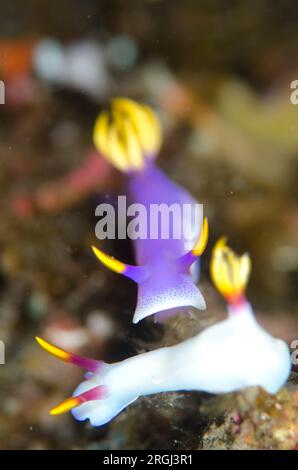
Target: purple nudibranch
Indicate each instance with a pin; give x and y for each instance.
(129, 136)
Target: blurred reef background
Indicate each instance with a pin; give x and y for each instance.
(219, 74)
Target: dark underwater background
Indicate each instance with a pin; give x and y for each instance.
(219, 73)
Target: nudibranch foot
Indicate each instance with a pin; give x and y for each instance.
(160, 295)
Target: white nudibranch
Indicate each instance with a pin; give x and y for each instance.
(225, 357)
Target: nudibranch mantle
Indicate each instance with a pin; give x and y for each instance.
(129, 136)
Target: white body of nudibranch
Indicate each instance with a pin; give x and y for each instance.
(228, 356)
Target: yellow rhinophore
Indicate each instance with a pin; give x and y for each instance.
(127, 134)
(229, 272)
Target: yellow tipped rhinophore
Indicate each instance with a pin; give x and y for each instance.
(109, 261)
(200, 245)
(229, 272)
(65, 406)
(53, 350)
(127, 134)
